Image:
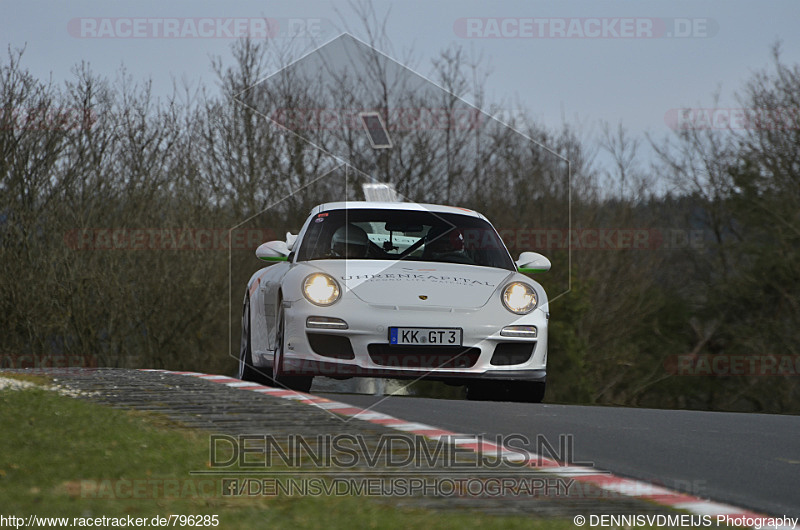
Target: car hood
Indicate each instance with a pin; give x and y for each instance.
(414, 283)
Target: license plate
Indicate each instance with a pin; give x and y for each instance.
(425, 336)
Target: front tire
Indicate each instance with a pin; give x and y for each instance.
(247, 371)
(300, 383)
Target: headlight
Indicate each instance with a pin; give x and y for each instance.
(321, 289)
(519, 298)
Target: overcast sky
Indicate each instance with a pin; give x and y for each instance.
(583, 61)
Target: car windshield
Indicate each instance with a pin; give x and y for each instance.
(402, 234)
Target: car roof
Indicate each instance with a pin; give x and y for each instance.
(412, 206)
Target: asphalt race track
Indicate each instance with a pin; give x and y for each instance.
(748, 460)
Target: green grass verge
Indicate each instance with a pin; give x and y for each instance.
(65, 457)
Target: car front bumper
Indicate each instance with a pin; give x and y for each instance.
(363, 349)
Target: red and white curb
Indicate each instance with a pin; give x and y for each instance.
(585, 474)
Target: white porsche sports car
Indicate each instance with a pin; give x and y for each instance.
(397, 290)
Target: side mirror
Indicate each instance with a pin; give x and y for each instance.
(273, 251)
(290, 239)
(531, 262)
